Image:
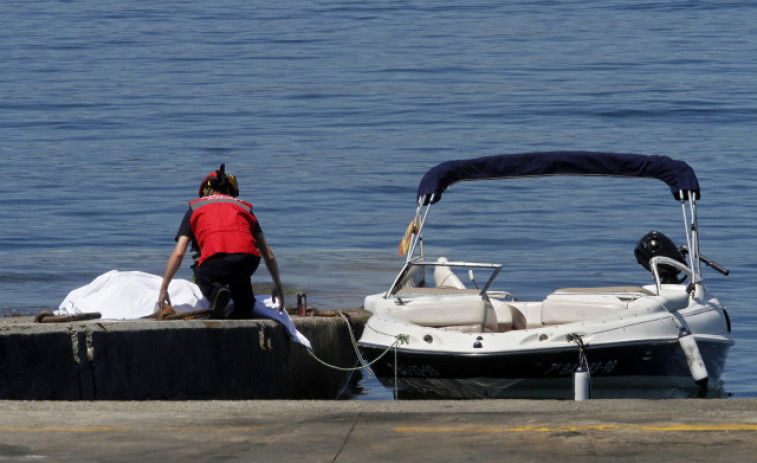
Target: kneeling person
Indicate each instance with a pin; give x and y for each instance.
(230, 242)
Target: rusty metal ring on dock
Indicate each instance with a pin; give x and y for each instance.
(48, 317)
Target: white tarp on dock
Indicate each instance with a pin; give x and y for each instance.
(133, 294)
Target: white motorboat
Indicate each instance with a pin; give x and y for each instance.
(432, 336)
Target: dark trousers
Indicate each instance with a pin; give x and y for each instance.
(232, 271)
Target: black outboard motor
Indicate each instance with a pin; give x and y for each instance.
(655, 244)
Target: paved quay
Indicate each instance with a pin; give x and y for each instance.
(380, 431)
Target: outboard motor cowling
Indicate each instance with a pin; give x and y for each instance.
(655, 244)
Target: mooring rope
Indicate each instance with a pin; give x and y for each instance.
(400, 338)
(353, 340)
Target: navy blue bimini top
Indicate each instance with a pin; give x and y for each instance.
(677, 174)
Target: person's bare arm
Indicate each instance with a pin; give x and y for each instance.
(272, 266)
(173, 265)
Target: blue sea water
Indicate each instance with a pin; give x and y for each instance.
(330, 111)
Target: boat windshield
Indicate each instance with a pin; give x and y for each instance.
(413, 274)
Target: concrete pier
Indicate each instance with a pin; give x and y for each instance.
(174, 360)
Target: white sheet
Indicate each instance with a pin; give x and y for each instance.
(128, 295)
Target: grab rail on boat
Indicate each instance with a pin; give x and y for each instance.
(662, 260)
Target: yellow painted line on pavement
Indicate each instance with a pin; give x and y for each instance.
(216, 429)
(572, 428)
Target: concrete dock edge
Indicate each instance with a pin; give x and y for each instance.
(174, 360)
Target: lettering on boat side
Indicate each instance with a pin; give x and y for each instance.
(422, 371)
(565, 369)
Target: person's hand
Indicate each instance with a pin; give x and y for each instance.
(163, 300)
(278, 298)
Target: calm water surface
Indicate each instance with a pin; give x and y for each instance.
(329, 112)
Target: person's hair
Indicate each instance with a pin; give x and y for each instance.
(219, 182)
(208, 190)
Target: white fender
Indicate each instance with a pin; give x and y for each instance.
(693, 357)
(582, 384)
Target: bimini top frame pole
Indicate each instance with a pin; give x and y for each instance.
(691, 230)
(421, 213)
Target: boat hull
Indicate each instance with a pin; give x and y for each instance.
(648, 369)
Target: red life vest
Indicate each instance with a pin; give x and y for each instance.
(222, 223)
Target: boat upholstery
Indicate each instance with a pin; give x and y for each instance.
(445, 278)
(623, 292)
(456, 309)
(577, 304)
(530, 313)
(442, 309)
(558, 308)
(569, 305)
(508, 316)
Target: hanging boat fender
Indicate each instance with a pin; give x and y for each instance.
(582, 384)
(693, 357)
(582, 375)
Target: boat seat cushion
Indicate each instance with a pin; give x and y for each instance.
(435, 311)
(445, 278)
(622, 292)
(568, 308)
(509, 317)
